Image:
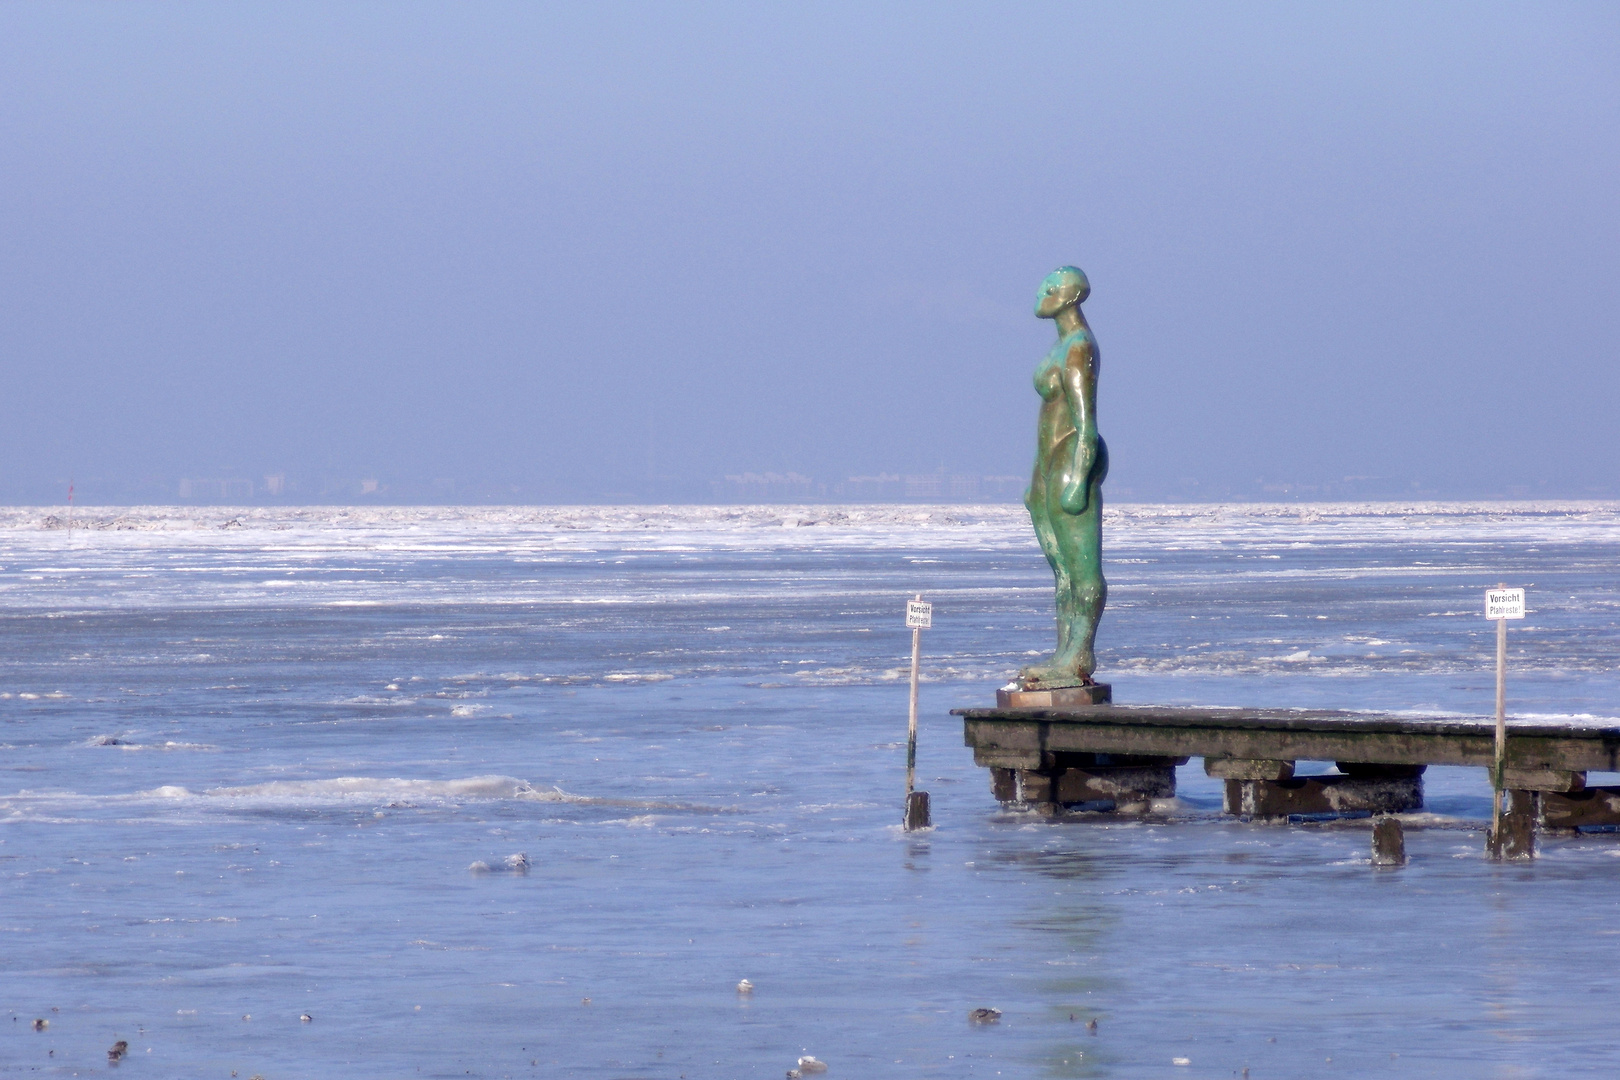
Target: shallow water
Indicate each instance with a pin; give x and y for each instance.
(244, 772)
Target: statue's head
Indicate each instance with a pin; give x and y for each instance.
(1064, 287)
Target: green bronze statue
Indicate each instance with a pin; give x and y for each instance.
(1065, 494)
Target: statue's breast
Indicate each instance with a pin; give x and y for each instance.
(1049, 376)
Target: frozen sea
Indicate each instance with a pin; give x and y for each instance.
(248, 757)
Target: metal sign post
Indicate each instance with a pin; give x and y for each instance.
(1501, 604)
(919, 617)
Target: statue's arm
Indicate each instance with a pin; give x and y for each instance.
(1080, 395)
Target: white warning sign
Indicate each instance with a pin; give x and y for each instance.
(1504, 604)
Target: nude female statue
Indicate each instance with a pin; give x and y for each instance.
(1065, 494)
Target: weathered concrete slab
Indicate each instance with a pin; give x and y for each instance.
(1247, 769)
(1329, 794)
(1380, 770)
(1096, 781)
(1587, 808)
(1542, 779)
(997, 758)
(1131, 785)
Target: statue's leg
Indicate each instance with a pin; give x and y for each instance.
(1056, 530)
(1035, 503)
(1090, 588)
(1080, 604)
(1042, 513)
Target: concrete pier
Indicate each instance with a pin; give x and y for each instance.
(1120, 758)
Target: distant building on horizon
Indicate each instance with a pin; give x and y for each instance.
(211, 489)
(766, 487)
(939, 486)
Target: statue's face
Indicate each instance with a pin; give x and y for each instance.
(1062, 288)
(1050, 299)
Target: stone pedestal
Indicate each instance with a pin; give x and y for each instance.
(1062, 697)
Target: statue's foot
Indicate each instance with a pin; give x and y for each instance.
(1051, 675)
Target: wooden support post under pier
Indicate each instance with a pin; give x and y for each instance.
(1388, 842)
(1518, 828)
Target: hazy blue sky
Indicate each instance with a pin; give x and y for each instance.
(558, 247)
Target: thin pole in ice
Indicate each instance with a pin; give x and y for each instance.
(1501, 604)
(919, 617)
(1501, 707)
(911, 726)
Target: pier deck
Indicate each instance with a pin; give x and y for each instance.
(1090, 755)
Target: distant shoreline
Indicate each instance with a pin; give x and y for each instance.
(1125, 521)
(820, 505)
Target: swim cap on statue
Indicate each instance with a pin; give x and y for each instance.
(1070, 281)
